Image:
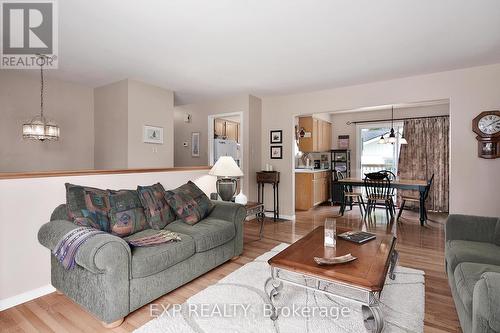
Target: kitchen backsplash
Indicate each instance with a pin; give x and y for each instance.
(323, 157)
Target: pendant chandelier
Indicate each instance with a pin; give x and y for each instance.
(40, 128)
(392, 135)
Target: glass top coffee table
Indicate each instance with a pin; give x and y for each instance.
(361, 280)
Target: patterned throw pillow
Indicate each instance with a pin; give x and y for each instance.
(158, 212)
(88, 206)
(189, 203)
(126, 213)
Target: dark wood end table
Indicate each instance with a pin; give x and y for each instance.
(273, 178)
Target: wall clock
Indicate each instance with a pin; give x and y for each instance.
(487, 127)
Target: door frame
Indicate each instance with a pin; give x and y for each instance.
(211, 119)
(359, 143)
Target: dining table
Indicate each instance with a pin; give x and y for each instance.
(401, 184)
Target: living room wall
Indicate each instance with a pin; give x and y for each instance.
(121, 110)
(251, 108)
(70, 105)
(469, 91)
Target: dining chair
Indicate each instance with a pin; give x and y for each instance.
(392, 192)
(378, 190)
(352, 196)
(406, 198)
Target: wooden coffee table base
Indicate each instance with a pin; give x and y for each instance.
(369, 300)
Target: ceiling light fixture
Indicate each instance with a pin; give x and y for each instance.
(392, 135)
(40, 128)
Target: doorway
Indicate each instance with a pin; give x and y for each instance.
(225, 137)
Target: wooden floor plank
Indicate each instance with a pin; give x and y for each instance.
(419, 247)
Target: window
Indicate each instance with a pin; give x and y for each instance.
(373, 156)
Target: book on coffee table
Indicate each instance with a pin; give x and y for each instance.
(358, 237)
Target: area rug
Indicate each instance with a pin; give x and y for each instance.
(238, 303)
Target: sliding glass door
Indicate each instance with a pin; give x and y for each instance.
(371, 154)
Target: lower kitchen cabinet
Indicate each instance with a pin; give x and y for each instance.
(311, 189)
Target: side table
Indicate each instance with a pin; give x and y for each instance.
(269, 177)
(257, 209)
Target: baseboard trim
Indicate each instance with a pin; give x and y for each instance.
(25, 297)
(286, 217)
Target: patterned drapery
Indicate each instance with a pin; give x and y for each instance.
(427, 153)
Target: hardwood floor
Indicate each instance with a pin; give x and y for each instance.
(419, 247)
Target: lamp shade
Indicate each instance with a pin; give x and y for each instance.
(225, 167)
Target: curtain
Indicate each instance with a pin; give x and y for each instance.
(427, 153)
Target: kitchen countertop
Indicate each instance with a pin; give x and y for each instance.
(310, 170)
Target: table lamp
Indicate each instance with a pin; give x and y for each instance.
(227, 172)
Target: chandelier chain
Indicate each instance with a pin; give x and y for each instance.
(42, 87)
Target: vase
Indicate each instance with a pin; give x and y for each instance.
(241, 198)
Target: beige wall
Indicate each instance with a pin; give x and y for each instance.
(154, 106)
(255, 134)
(69, 105)
(111, 125)
(339, 126)
(470, 91)
(251, 108)
(122, 109)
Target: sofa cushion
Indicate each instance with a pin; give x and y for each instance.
(466, 275)
(458, 251)
(87, 206)
(126, 213)
(150, 260)
(189, 203)
(158, 212)
(207, 234)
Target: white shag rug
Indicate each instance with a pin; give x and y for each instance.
(238, 303)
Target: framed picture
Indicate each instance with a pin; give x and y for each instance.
(153, 134)
(195, 144)
(343, 142)
(276, 136)
(276, 152)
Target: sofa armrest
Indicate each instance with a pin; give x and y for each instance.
(98, 254)
(471, 228)
(233, 213)
(486, 304)
(228, 211)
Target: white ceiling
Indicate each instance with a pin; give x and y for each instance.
(211, 48)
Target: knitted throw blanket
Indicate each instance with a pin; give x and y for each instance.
(159, 237)
(68, 246)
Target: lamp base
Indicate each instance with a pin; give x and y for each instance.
(226, 187)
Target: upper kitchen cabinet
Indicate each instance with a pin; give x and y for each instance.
(318, 135)
(226, 129)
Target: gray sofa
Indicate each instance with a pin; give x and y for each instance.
(111, 279)
(473, 266)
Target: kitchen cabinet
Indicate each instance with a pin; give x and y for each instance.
(319, 135)
(311, 188)
(232, 130)
(225, 129)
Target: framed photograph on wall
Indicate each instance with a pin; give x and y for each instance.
(276, 152)
(195, 144)
(276, 136)
(153, 134)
